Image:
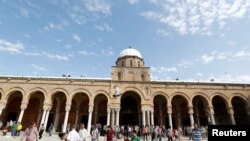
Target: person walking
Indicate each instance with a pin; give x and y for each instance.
(196, 133)
(73, 134)
(41, 131)
(19, 128)
(31, 133)
(50, 129)
(83, 132)
(109, 134)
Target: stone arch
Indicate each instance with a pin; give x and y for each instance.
(58, 102)
(242, 96)
(136, 90)
(81, 91)
(79, 108)
(220, 106)
(180, 107)
(37, 89)
(130, 108)
(100, 109)
(58, 90)
(223, 96)
(13, 99)
(104, 93)
(159, 93)
(15, 89)
(239, 106)
(200, 104)
(160, 110)
(184, 95)
(33, 112)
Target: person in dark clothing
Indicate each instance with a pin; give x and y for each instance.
(41, 131)
(109, 134)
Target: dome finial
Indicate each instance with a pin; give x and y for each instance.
(129, 47)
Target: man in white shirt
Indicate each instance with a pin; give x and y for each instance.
(73, 134)
(83, 133)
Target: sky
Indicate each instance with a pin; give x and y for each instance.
(192, 40)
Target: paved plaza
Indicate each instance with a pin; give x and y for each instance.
(54, 137)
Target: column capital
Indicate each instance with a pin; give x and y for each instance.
(190, 110)
(230, 110)
(211, 110)
(24, 106)
(169, 108)
(67, 107)
(108, 110)
(91, 109)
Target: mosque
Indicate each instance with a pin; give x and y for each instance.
(128, 97)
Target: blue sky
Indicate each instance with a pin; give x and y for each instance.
(186, 39)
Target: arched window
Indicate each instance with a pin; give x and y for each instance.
(131, 63)
(139, 63)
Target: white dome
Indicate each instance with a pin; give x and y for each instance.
(130, 52)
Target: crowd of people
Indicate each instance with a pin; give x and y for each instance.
(116, 133)
(135, 133)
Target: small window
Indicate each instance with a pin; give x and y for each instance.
(119, 76)
(139, 63)
(131, 63)
(143, 77)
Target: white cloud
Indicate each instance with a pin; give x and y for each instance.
(163, 32)
(132, 2)
(185, 64)
(229, 78)
(68, 46)
(52, 26)
(230, 43)
(161, 70)
(104, 27)
(196, 17)
(76, 37)
(12, 48)
(98, 6)
(38, 67)
(242, 53)
(228, 56)
(207, 59)
(26, 35)
(87, 53)
(108, 52)
(199, 74)
(55, 56)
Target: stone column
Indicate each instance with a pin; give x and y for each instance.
(108, 116)
(56, 119)
(143, 118)
(43, 116)
(231, 113)
(23, 107)
(211, 112)
(39, 117)
(170, 117)
(95, 114)
(152, 117)
(112, 118)
(117, 116)
(65, 123)
(148, 117)
(90, 118)
(46, 119)
(77, 115)
(191, 112)
(198, 117)
(160, 112)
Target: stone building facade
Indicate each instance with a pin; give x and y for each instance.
(68, 100)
